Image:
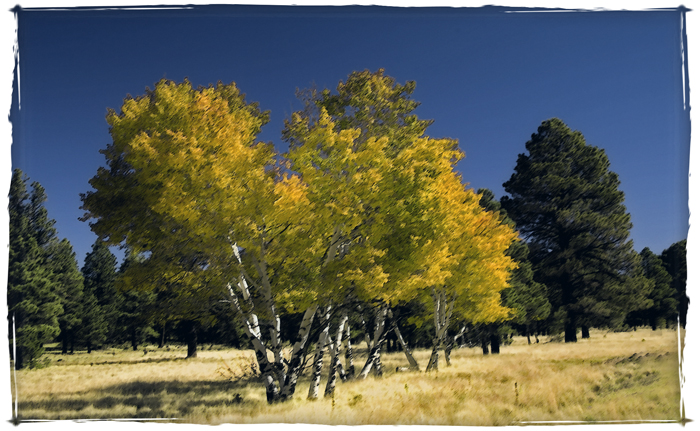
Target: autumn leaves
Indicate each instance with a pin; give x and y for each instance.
(363, 207)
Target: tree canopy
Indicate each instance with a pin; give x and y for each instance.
(363, 205)
(567, 205)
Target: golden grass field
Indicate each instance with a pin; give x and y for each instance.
(630, 376)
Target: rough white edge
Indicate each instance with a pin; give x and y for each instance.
(9, 28)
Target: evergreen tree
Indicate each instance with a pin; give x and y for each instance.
(525, 297)
(567, 206)
(93, 330)
(136, 309)
(69, 283)
(102, 300)
(33, 300)
(665, 305)
(674, 259)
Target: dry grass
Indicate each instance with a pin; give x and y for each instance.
(614, 376)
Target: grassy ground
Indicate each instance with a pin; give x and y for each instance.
(611, 376)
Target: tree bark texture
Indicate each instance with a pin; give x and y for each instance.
(379, 337)
(412, 363)
(318, 364)
(349, 360)
(336, 367)
(298, 351)
(442, 322)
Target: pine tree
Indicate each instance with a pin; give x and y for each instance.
(568, 207)
(136, 309)
(69, 283)
(101, 300)
(665, 306)
(674, 259)
(33, 300)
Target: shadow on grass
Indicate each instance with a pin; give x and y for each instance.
(164, 399)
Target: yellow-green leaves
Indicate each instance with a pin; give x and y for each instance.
(406, 221)
(363, 204)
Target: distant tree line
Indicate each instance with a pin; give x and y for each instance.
(51, 300)
(361, 235)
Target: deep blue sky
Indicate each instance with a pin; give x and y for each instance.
(487, 76)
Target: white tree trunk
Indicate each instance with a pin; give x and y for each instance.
(266, 368)
(295, 361)
(335, 366)
(379, 337)
(442, 321)
(349, 363)
(318, 364)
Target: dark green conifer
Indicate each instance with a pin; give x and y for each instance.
(69, 282)
(674, 259)
(34, 303)
(665, 306)
(102, 300)
(568, 207)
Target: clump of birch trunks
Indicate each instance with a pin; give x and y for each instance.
(626, 376)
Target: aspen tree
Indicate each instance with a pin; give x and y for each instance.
(210, 211)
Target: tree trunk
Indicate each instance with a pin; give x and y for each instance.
(527, 332)
(336, 369)
(318, 364)
(413, 364)
(448, 352)
(434, 355)
(89, 346)
(378, 370)
(570, 328)
(191, 341)
(379, 337)
(452, 340)
(335, 366)
(484, 344)
(161, 343)
(134, 342)
(349, 364)
(19, 358)
(252, 329)
(495, 343)
(64, 342)
(584, 332)
(373, 359)
(298, 352)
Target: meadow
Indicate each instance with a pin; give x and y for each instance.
(625, 376)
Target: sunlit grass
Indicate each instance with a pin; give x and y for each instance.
(611, 376)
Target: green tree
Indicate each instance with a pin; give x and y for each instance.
(147, 302)
(568, 207)
(135, 309)
(69, 282)
(674, 259)
(527, 298)
(102, 299)
(33, 297)
(665, 306)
